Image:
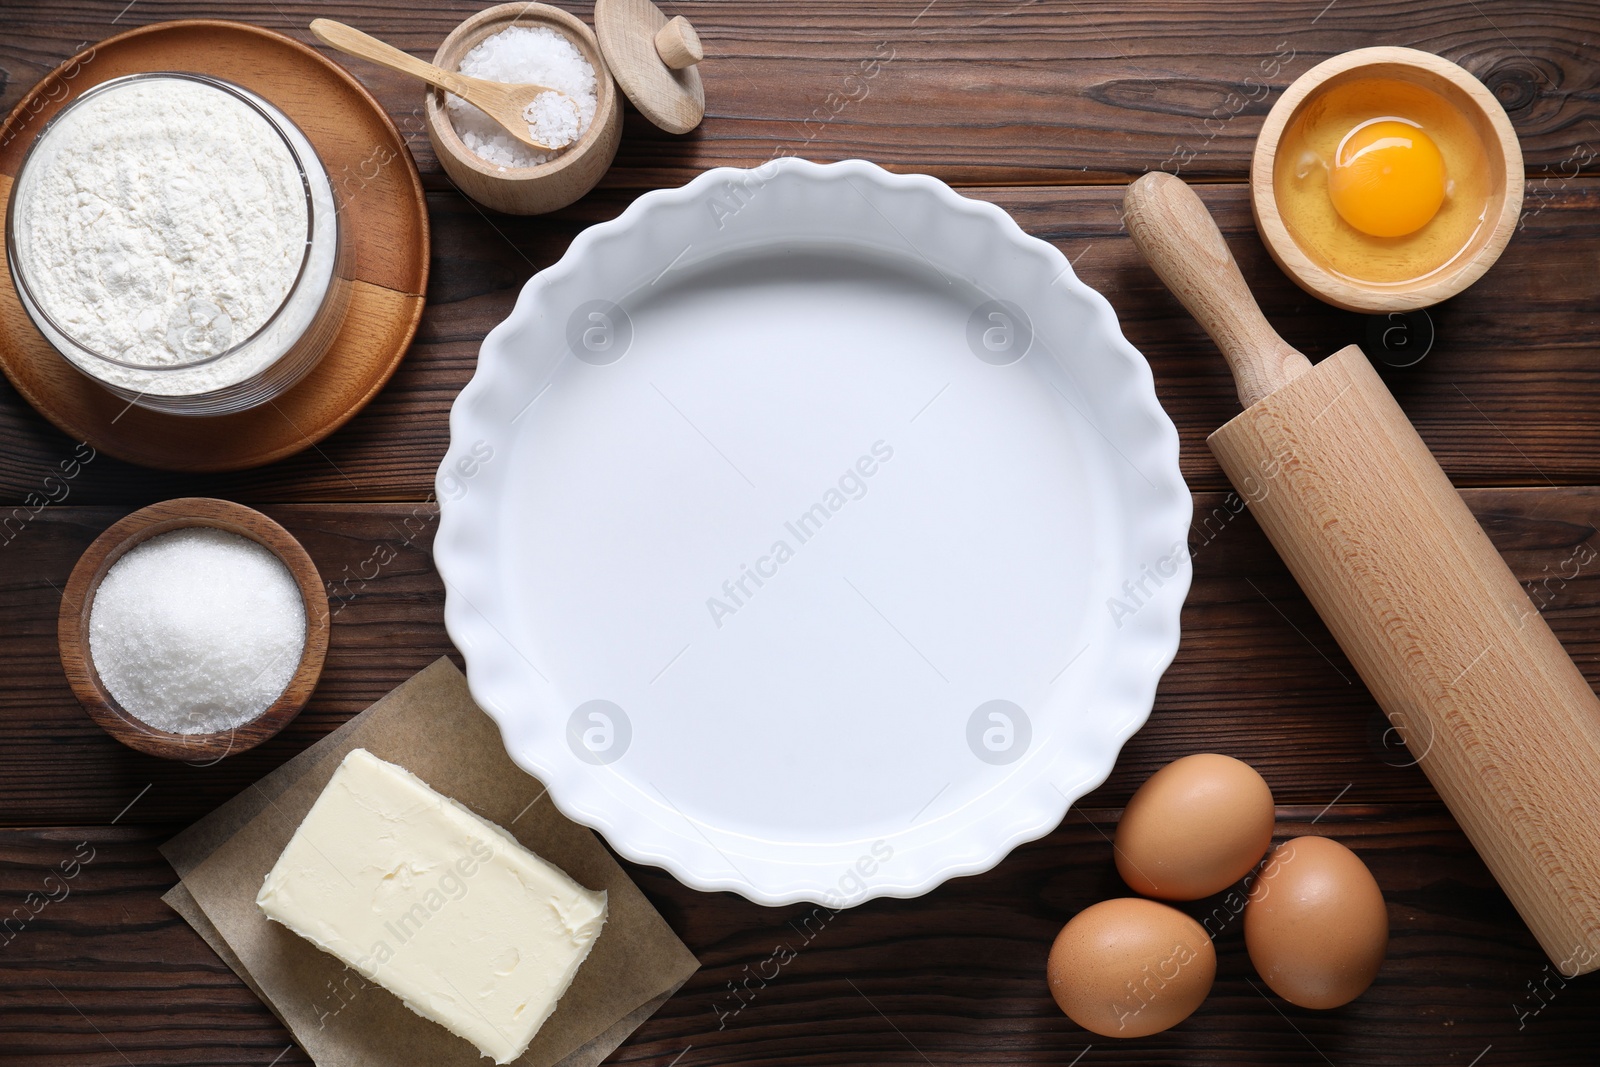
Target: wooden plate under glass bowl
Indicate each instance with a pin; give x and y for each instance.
(72, 627)
(381, 203)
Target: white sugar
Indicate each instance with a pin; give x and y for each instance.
(197, 630)
(523, 55)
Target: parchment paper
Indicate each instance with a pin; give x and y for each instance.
(430, 726)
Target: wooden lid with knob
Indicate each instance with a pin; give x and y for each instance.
(678, 44)
(654, 60)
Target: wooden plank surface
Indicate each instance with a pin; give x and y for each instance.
(108, 975)
(1256, 675)
(1044, 107)
(977, 91)
(1506, 397)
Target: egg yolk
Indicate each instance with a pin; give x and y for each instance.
(1387, 179)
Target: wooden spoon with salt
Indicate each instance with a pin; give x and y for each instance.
(506, 104)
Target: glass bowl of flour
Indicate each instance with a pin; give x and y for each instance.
(176, 239)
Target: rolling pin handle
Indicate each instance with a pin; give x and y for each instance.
(1176, 233)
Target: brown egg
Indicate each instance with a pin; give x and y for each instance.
(1130, 967)
(1194, 828)
(1315, 923)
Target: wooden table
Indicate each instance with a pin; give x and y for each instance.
(1045, 107)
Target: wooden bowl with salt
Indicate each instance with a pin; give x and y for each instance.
(550, 185)
(77, 602)
(635, 50)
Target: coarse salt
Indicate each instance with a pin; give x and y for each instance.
(524, 55)
(197, 631)
(553, 119)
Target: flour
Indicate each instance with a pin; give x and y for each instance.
(162, 222)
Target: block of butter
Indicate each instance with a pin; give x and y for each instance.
(439, 906)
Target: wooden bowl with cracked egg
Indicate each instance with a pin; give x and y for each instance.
(1495, 134)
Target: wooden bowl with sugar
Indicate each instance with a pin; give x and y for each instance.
(72, 627)
(548, 186)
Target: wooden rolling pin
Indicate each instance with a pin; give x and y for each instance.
(1475, 683)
